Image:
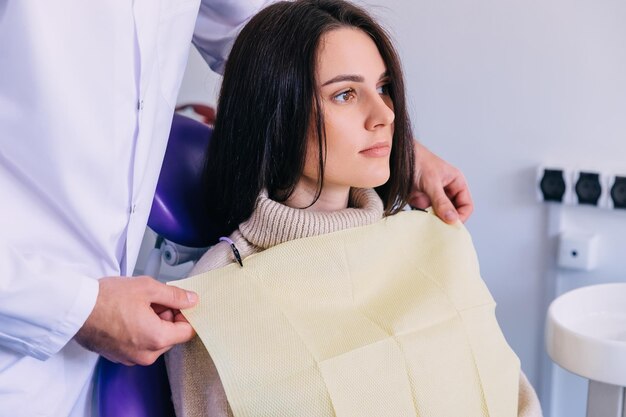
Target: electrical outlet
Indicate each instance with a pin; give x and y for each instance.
(578, 251)
(587, 187)
(553, 184)
(618, 192)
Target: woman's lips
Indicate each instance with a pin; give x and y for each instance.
(377, 151)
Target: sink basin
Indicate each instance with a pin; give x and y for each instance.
(586, 332)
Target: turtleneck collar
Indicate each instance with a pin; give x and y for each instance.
(273, 223)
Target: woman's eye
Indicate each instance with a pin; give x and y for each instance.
(344, 96)
(383, 90)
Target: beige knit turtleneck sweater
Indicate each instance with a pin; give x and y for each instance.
(196, 387)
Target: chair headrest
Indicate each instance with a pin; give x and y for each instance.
(178, 211)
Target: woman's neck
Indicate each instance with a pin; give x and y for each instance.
(332, 198)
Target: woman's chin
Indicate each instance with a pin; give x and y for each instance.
(374, 181)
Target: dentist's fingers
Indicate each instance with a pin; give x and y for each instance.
(459, 194)
(174, 333)
(451, 201)
(444, 209)
(440, 185)
(136, 319)
(170, 296)
(420, 200)
(163, 312)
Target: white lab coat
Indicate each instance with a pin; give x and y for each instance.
(87, 91)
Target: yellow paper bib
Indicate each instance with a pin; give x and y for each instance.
(391, 319)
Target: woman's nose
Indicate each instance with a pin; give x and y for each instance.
(380, 113)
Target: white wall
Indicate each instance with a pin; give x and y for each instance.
(497, 88)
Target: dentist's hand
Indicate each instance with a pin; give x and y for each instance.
(440, 185)
(135, 320)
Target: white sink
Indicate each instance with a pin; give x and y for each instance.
(586, 332)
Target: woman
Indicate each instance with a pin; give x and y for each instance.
(312, 137)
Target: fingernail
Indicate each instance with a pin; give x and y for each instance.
(192, 297)
(450, 215)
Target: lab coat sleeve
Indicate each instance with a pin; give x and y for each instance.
(218, 23)
(42, 306)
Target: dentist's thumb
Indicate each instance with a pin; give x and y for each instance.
(172, 297)
(444, 209)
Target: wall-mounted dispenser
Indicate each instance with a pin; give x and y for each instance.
(578, 250)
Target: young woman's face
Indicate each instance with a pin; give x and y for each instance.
(358, 112)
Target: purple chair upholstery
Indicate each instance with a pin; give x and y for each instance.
(177, 215)
(133, 391)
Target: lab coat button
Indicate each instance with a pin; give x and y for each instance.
(140, 105)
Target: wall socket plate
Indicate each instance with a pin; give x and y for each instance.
(616, 192)
(590, 187)
(554, 184)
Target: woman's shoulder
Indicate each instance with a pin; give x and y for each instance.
(221, 254)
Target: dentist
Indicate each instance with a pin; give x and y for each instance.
(87, 93)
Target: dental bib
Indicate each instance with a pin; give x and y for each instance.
(390, 319)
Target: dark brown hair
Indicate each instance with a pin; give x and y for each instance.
(268, 100)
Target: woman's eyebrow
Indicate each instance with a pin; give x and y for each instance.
(352, 77)
(345, 77)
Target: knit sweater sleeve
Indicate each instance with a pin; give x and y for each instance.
(528, 403)
(196, 387)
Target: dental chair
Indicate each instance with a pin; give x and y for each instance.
(183, 232)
